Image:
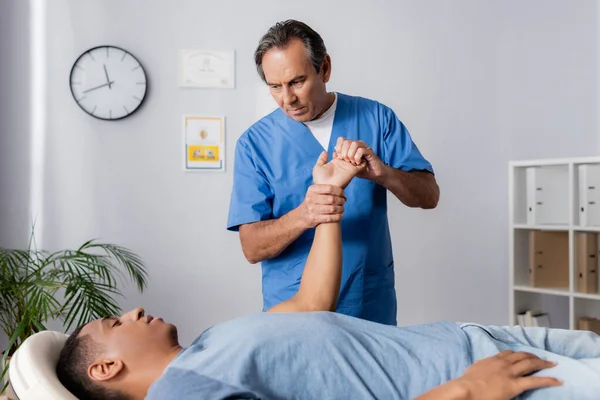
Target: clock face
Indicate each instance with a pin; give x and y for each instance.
(108, 83)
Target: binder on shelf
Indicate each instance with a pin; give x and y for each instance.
(549, 259)
(547, 195)
(589, 193)
(589, 324)
(587, 262)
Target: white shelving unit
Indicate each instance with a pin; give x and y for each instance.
(558, 200)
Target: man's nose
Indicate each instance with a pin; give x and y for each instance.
(134, 314)
(289, 97)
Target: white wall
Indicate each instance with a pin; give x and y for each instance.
(14, 122)
(14, 125)
(477, 83)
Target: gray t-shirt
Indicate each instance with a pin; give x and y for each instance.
(317, 355)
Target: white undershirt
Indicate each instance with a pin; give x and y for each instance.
(321, 128)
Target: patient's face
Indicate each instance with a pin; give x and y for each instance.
(132, 336)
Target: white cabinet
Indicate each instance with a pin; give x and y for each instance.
(559, 200)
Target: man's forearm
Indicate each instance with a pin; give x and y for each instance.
(413, 189)
(267, 239)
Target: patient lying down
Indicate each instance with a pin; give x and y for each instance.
(299, 349)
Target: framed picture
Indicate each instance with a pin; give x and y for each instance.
(207, 68)
(204, 143)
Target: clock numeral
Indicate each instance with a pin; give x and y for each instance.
(107, 55)
(94, 110)
(80, 99)
(124, 55)
(77, 66)
(137, 98)
(126, 110)
(134, 68)
(75, 83)
(140, 83)
(110, 113)
(92, 57)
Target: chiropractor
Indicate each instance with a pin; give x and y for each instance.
(275, 205)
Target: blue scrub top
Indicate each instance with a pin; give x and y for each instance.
(273, 166)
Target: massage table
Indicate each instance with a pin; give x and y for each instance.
(32, 370)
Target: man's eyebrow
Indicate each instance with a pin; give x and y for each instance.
(294, 79)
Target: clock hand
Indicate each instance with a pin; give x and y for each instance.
(98, 87)
(107, 80)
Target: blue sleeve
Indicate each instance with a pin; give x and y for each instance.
(182, 384)
(251, 195)
(399, 150)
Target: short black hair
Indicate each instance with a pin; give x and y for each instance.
(282, 33)
(76, 356)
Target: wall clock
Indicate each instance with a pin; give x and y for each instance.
(108, 83)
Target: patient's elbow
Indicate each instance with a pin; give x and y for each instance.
(320, 306)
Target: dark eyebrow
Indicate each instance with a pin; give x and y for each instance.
(298, 78)
(294, 79)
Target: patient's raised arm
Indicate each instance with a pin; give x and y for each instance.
(321, 278)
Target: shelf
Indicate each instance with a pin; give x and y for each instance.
(543, 227)
(540, 195)
(556, 228)
(554, 239)
(586, 228)
(554, 161)
(554, 292)
(586, 296)
(557, 307)
(585, 308)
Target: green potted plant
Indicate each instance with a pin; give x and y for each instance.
(71, 286)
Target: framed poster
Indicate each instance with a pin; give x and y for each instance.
(204, 139)
(200, 68)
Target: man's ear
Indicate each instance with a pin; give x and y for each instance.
(326, 68)
(105, 369)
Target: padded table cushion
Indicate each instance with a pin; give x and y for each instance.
(32, 370)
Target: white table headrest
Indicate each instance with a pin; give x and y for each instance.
(32, 370)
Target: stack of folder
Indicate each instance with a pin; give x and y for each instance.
(549, 259)
(587, 263)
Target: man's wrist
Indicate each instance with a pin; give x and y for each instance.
(384, 177)
(297, 218)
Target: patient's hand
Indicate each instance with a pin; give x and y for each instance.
(336, 172)
(504, 376)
